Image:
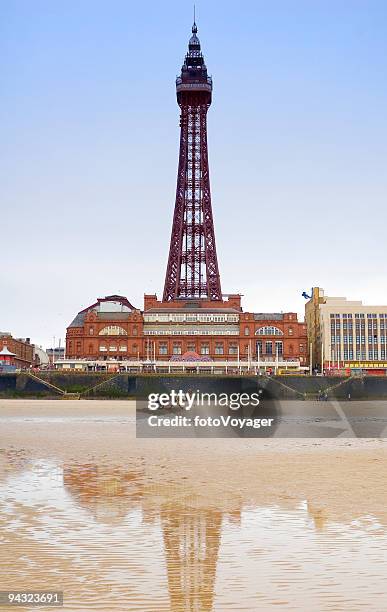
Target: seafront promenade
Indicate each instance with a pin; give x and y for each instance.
(123, 385)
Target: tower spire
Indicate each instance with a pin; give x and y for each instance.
(192, 270)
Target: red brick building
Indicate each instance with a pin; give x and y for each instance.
(113, 329)
(22, 349)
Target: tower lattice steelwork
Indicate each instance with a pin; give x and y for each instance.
(192, 270)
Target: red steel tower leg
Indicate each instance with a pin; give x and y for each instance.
(192, 270)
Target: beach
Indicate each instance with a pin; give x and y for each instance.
(124, 523)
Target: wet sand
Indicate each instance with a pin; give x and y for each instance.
(187, 524)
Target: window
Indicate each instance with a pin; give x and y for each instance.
(219, 318)
(279, 347)
(90, 349)
(135, 330)
(91, 331)
(112, 348)
(205, 349)
(191, 347)
(102, 348)
(233, 349)
(123, 348)
(268, 348)
(247, 331)
(163, 348)
(270, 331)
(301, 348)
(219, 349)
(113, 330)
(176, 349)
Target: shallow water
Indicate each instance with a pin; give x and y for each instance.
(116, 536)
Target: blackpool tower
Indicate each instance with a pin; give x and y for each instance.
(192, 270)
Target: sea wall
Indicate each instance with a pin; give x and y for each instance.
(104, 385)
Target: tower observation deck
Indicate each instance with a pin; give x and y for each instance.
(192, 270)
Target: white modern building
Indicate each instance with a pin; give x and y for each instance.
(346, 334)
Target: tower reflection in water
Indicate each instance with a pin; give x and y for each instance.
(191, 529)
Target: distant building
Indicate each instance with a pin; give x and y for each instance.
(109, 327)
(22, 349)
(346, 334)
(41, 358)
(53, 354)
(7, 360)
(112, 329)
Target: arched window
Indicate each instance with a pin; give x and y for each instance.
(247, 331)
(269, 330)
(113, 330)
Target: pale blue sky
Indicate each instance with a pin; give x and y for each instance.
(89, 147)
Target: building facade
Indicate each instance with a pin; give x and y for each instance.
(54, 354)
(112, 329)
(344, 334)
(21, 347)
